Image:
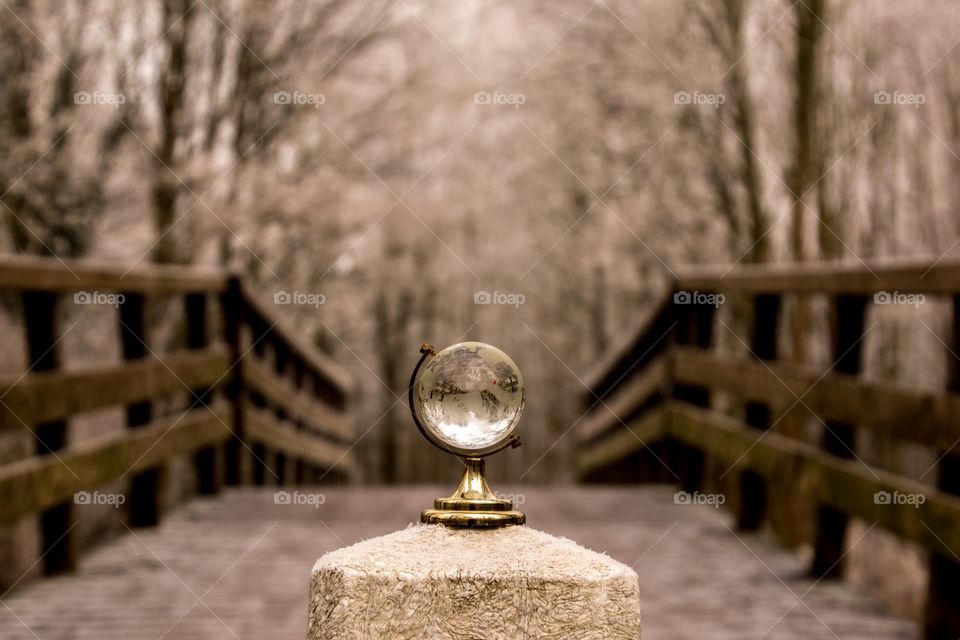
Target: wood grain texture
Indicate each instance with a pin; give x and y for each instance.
(38, 397)
(42, 481)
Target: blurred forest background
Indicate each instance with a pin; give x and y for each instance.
(521, 173)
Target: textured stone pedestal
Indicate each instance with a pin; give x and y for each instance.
(429, 581)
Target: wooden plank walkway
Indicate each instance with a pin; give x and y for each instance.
(237, 566)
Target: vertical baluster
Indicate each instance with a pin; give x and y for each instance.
(256, 463)
(942, 618)
(848, 314)
(145, 487)
(299, 371)
(280, 468)
(281, 358)
(694, 328)
(206, 461)
(763, 346)
(297, 422)
(316, 390)
(58, 542)
(344, 399)
(232, 308)
(294, 471)
(259, 455)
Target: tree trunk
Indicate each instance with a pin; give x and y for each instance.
(801, 178)
(165, 186)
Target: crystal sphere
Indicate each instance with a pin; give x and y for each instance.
(469, 396)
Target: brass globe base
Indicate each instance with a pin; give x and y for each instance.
(473, 504)
(473, 519)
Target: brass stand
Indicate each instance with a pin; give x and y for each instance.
(473, 504)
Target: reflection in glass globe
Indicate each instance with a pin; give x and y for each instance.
(470, 395)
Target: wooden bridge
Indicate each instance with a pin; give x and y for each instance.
(227, 437)
(669, 406)
(243, 398)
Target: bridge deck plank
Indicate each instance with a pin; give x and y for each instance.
(248, 559)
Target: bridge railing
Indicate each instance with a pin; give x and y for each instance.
(252, 401)
(661, 386)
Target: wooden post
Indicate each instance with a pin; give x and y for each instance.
(299, 372)
(942, 616)
(231, 304)
(206, 461)
(281, 357)
(849, 312)
(259, 454)
(280, 464)
(40, 319)
(145, 487)
(694, 328)
(752, 507)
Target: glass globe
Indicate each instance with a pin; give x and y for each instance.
(469, 396)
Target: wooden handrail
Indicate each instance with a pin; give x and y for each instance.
(622, 440)
(659, 383)
(298, 404)
(928, 275)
(51, 395)
(29, 273)
(41, 482)
(650, 338)
(332, 373)
(607, 413)
(307, 423)
(261, 425)
(888, 409)
(845, 484)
